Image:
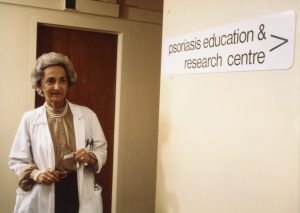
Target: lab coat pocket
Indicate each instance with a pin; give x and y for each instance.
(20, 200)
(24, 201)
(91, 199)
(98, 197)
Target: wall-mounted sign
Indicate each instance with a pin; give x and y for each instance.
(264, 43)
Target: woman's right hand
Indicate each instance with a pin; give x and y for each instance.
(48, 177)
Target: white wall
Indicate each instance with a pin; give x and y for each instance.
(137, 97)
(228, 142)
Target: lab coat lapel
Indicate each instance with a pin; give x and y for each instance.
(80, 139)
(41, 120)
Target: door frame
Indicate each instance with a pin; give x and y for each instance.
(85, 25)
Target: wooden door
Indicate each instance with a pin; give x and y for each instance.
(94, 57)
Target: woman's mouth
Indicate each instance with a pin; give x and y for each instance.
(56, 93)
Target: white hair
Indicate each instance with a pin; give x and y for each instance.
(49, 60)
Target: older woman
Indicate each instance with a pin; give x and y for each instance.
(58, 147)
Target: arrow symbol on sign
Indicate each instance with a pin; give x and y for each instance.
(282, 43)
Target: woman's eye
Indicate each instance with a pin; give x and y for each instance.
(50, 81)
(64, 80)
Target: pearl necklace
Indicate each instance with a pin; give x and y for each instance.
(57, 115)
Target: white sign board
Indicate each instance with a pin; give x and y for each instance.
(264, 43)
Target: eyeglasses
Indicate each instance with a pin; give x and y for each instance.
(67, 163)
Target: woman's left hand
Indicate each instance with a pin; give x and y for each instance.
(82, 156)
(85, 158)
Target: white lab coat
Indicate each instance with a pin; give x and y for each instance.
(34, 131)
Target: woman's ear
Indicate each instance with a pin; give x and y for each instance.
(39, 91)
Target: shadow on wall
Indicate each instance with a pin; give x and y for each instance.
(168, 200)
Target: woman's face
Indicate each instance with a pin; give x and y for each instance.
(54, 86)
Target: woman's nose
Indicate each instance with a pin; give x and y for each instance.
(57, 86)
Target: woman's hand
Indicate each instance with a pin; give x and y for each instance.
(83, 157)
(87, 159)
(48, 177)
